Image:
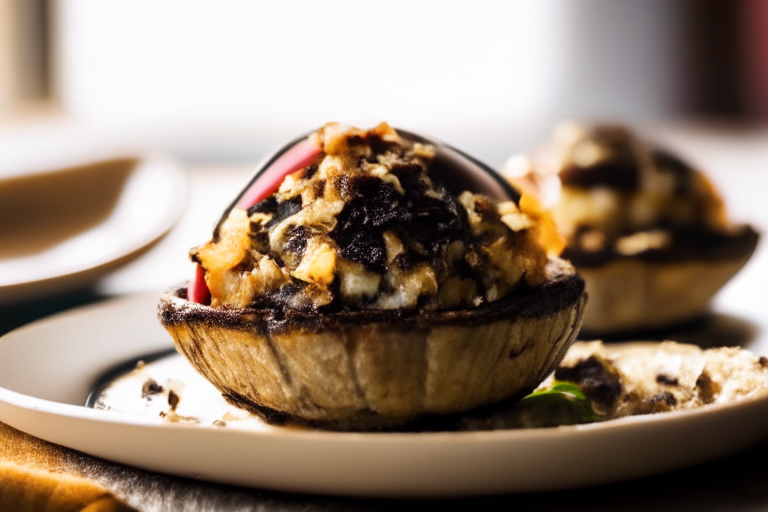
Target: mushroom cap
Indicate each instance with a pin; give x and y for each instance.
(660, 288)
(379, 369)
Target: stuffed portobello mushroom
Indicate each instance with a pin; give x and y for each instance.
(647, 232)
(349, 287)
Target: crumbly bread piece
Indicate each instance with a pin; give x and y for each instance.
(643, 378)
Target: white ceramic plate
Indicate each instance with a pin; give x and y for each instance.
(48, 368)
(65, 228)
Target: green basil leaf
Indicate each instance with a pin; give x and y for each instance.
(556, 398)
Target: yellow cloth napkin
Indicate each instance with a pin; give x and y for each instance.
(35, 477)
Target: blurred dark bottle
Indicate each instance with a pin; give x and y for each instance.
(726, 58)
(754, 19)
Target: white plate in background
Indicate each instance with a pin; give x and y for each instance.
(65, 228)
(43, 396)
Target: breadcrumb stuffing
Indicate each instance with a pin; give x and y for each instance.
(368, 226)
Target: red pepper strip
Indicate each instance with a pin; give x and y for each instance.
(197, 288)
(301, 155)
(292, 161)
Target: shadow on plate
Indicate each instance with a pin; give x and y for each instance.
(42, 210)
(16, 315)
(707, 331)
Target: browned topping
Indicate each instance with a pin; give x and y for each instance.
(763, 361)
(622, 197)
(599, 384)
(173, 400)
(371, 227)
(604, 157)
(426, 224)
(661, 402)
(680, 171)
(150, 388)
(666, 379)
(707, 388)
(629, 396)
(616, 165)
(611, 156)
(682, 245)
(664, 397)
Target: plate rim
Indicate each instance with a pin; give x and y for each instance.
(84, 412)
(492, 454)
(65, 279)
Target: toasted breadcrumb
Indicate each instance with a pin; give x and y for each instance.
(366, 227)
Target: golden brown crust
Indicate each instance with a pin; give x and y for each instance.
(370, 225)
(558, 292)
(647, 231)
(734, 244)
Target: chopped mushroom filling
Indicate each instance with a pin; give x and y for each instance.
(610, 192)
(370, 226)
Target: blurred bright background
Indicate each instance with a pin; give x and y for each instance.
(228, 80)
(217, 85)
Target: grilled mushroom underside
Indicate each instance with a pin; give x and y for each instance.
(660, 288)
(369, 370)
